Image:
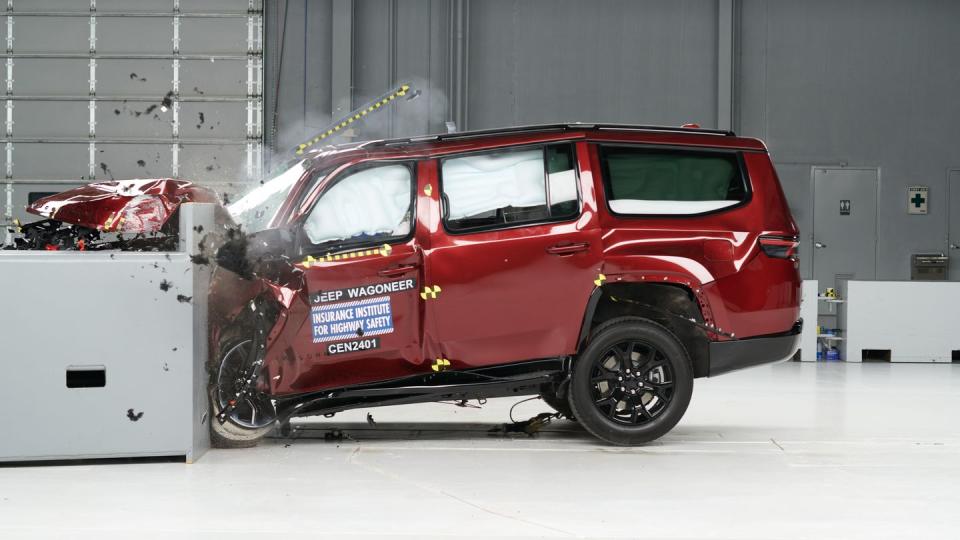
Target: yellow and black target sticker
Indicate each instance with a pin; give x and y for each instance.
(381, 251)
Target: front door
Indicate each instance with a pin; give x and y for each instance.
(363, 268)
(514, 258)
(844, 224)
(953, 235)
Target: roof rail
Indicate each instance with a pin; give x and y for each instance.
(579, 126)
(681, 129)
(534, 128)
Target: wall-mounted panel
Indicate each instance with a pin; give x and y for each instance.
(221, 77)
(218, 163)
(213, 120)
(50, 161)
(51, 76)
(208, 35)
(134, 78)
(134, 35)
(32, 34)
(34, 118)
(116, 161)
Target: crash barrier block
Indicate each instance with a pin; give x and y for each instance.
(902, 321)
(103, 352)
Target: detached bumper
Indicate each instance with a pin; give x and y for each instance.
(728, 356)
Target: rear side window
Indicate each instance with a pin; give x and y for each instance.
(509, 187)
(674, 182)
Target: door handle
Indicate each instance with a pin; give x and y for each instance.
(819, 245)
(954, 246)
(397, 270)
(568, 249)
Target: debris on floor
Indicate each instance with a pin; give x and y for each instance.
(530, 426)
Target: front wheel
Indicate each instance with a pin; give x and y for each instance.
(251, 413)
(632, 383)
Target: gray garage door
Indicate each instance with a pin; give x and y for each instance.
(117, 89)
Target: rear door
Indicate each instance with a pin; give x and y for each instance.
(363, 268)
(513, 260)
(844, 225)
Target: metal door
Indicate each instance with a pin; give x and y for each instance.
(844, 224)
(111, 89)
(953, 233)
(516, 293)
(364, 323)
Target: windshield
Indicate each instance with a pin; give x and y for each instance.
(255, 210)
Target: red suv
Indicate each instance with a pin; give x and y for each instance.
(603, 267)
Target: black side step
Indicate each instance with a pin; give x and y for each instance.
(523, 378)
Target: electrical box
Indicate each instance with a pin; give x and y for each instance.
(929, 266)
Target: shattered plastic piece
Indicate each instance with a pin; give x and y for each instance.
(200, 259)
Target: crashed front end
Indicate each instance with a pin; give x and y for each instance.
(130, 215)
(254, 290)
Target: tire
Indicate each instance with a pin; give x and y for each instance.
(254, 416)
(637, 401)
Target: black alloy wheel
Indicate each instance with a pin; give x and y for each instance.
(251, 408)
(632, 382)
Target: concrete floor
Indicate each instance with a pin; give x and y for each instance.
(789, 451)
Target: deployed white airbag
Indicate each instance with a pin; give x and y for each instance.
(367, 203)
(484, 183)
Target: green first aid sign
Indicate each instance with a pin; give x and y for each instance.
(918, 198)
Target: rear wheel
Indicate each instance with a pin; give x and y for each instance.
(250, 413)
(632, 383)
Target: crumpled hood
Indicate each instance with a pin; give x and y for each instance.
(126, 206)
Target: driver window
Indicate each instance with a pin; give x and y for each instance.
(370, 205)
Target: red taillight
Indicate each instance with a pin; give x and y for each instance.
(780, 247)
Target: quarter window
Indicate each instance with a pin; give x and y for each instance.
(371, 205)
(650, 181)
(510, 187)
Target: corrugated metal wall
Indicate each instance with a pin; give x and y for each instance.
(863, 84)
(492, 63)
(103, 89)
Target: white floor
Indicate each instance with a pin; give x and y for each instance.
(790, 451)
